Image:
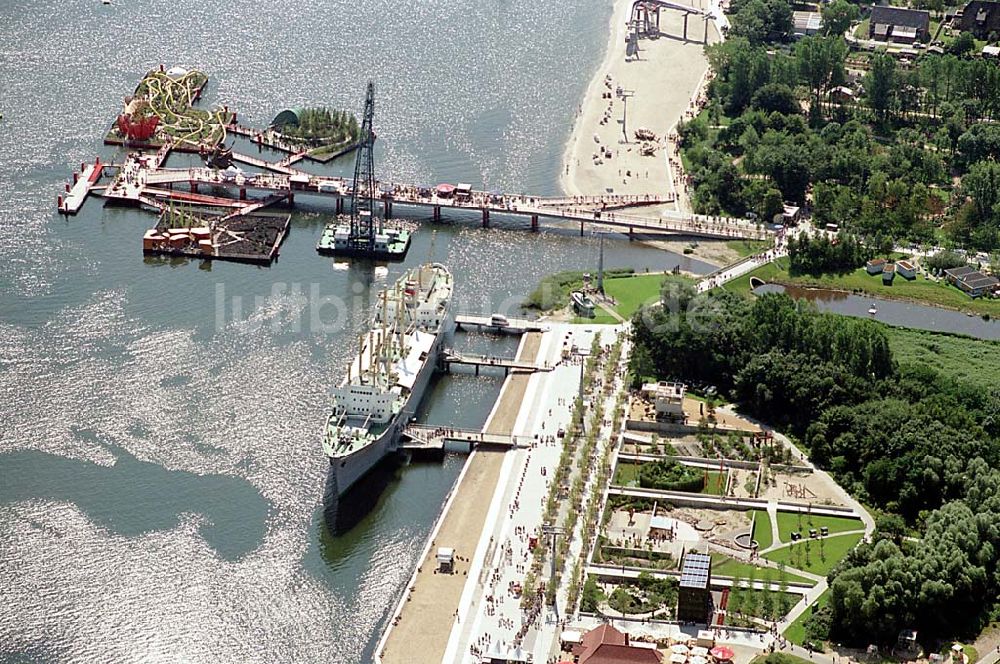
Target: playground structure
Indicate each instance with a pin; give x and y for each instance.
(644, 21)
(799, 490)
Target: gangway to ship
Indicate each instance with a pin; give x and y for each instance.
(427, 437)
(515, 325)
(450, 357)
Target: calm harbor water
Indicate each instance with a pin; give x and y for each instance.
(160, 467)
(892, 312)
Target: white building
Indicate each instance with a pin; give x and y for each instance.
(668, 399)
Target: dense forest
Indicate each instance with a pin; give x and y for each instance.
(911, 153)
(918, 447)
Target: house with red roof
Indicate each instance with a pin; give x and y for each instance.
(606, 645)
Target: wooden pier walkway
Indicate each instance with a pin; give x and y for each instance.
(602, 211)
(585, 213)
(254, 207)
(282, 166)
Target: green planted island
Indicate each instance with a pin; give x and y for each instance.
(318, 130)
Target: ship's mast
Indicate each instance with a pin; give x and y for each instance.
(401, 317)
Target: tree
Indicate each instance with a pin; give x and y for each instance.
(964, 44)
(762, 21)
(821, 63)
(776, 97)
(838, 17)
(982, 186)
(880, 84)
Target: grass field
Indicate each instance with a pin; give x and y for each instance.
(601, 317)
(762, 529)
(633, 292)
(790, 521)
(920, 290)
(626, 474)
(796, 632)
(723, 565)
(973, 360)
(746, 247)
(823, 553)
(715, 482)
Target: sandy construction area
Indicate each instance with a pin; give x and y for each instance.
(663, 78)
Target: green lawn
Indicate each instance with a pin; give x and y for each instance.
(861, 32)
(631, 293)
(920, 289)
(626, 474)
(723, 565)
(790, 521)
(601, 317)
(715, 482)
(970, 360)
(796, 632)
(746, 247)
(741, 284)
(762, 529)
(817, 556)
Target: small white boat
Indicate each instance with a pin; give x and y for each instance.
(582, 303)
(872, 310)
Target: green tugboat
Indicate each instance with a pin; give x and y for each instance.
(361, 232)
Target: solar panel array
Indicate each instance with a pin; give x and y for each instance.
(695, 572)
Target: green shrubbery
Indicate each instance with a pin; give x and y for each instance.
(668, 475)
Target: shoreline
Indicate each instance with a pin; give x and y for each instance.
(665, 80)
(567, 172)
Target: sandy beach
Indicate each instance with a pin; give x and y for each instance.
(663, 78)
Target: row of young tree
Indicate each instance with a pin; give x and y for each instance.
(919, 447)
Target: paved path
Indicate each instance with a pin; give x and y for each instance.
(489, 613)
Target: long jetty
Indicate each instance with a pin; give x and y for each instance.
(585, 211)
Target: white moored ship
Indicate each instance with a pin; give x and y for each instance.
(385, 382)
